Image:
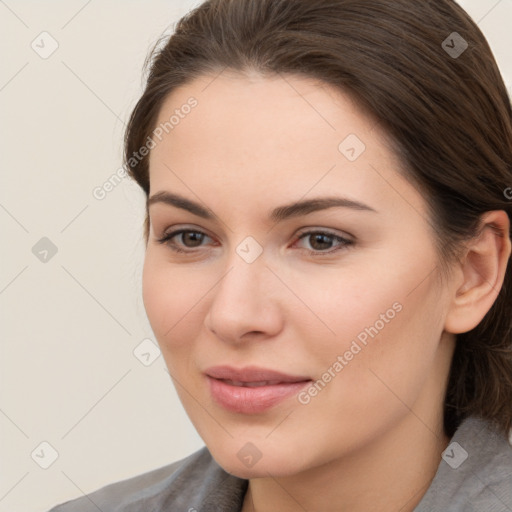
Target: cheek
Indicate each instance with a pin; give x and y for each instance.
(384, 322)
(388, 354)
(406, 352)
(171, 301)
(341, 305)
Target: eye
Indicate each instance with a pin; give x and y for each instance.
(322, 242)
(187, 238)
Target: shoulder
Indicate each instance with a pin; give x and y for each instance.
(188, 484)
(475, 472)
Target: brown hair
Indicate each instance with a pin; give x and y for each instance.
(447, 114)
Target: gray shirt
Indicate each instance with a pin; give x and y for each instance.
(475, 475)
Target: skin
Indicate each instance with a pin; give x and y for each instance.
(373, 435)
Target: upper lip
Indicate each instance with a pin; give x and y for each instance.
(252, 374)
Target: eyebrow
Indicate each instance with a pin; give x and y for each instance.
(278, 214)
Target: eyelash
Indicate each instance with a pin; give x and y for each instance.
(344, 242)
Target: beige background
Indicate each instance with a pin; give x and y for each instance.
(70, 325)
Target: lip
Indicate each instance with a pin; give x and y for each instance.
(252, 374)
(252, 400)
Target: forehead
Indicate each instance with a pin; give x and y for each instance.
(259, 110)
(284, 134)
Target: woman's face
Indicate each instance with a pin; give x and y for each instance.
(340, 294)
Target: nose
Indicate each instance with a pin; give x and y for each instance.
(245, 303)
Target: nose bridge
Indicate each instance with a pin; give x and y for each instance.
(240, 301)
(243, 282)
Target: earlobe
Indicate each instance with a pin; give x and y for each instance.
(483, 268)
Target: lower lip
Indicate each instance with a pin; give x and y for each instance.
(247, 400)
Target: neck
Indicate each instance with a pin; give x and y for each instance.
(391, 473)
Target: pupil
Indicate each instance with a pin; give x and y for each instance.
(194, 238)
(321, 242)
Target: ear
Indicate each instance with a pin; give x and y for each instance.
(480, 274)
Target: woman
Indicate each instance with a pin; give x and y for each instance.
(326, 272)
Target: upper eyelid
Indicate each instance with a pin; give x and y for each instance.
(299, 232)
(178, 230)
(327, 231)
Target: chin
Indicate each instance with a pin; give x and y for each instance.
(276, 464)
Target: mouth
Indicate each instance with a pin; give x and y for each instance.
(252, 390)
(251, 384)
(252, 375)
